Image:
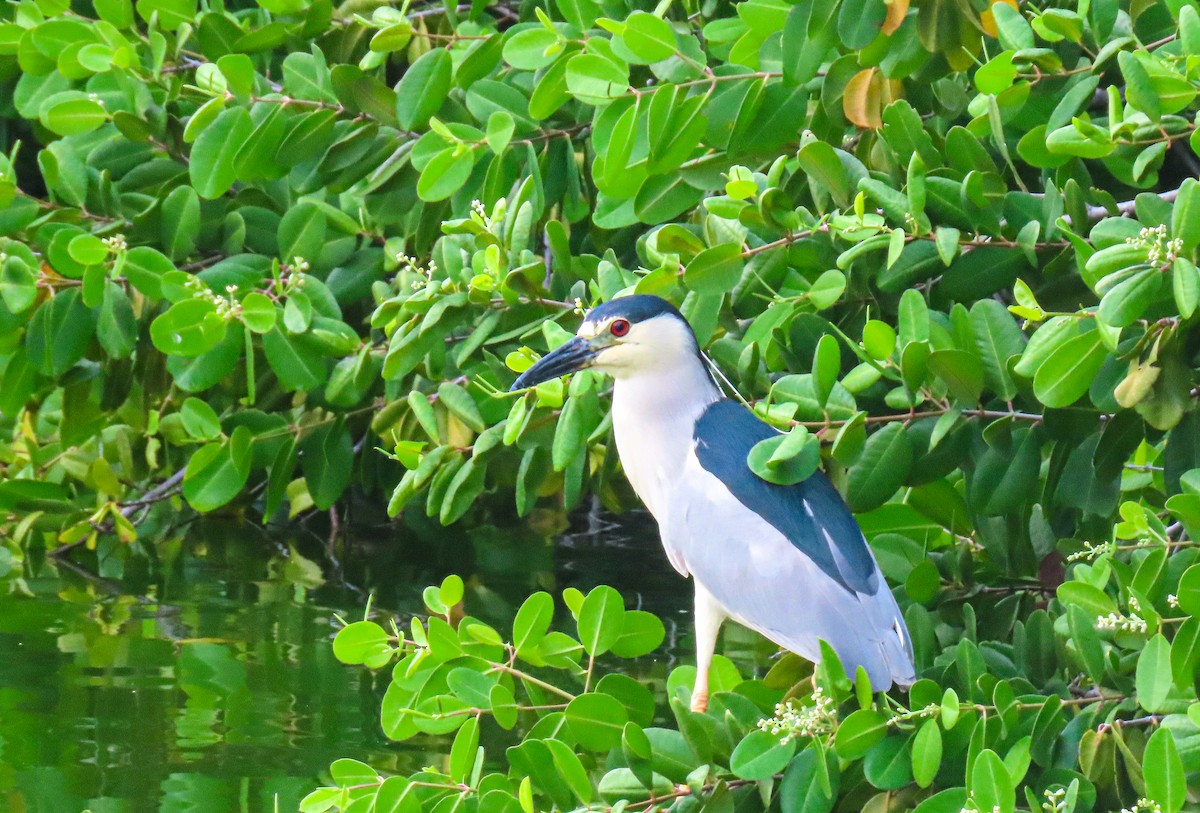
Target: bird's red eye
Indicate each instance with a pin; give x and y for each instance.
(619, 327)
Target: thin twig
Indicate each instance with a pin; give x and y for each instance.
(160, 492)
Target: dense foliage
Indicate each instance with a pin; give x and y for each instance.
(946, 244)
(992, 727)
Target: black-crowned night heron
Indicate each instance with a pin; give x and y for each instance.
(787, 561)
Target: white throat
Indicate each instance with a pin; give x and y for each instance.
(655, 410)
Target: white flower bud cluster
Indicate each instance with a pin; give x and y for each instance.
(115, 243)
(1055, 800)
(290, 276)
(413, 265)
(915, 714)
(791, 722)
(1115, 622)
(1143, 806)
(1162, 250)
(1173, 601)
(1092, 550)
(483, 217)
(227, 307)
(579, 308)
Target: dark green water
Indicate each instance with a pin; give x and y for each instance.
(203, 679)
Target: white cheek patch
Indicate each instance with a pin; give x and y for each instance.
(618, 355)
(590, 330)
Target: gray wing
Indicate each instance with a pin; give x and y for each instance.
(787, 561)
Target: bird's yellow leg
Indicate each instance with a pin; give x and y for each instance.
(709, 615)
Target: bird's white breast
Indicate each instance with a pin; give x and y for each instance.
(654, 419)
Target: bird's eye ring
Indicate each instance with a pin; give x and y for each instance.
(619, 327)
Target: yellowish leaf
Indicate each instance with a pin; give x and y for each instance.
(988, 20)
(896, 11)
(866, 94)
(857, 101)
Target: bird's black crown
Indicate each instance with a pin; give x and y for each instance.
(635, 308)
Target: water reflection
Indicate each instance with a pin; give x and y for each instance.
(205, 680)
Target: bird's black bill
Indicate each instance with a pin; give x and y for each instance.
(570, 357)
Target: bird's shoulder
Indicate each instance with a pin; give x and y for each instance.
(811, 514)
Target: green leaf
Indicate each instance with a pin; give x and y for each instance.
(1185, 285)
(990, 784)
(997, 339)
(622, 784)
(463, 751)
(532, 48)
(888, 766)
(443, 175)
(810, 783)
(760, 756)
(460, 403)
(594, 80)
(18, 284)
(826, 367)
(258, 312)
(87, 249)
(424, 88)
(1014, 29)
(199, 419)
(997, 75)
(1163, 771)
(641, 634)
(1068, 372)
(884, 464)
(500, 128)
(1185, 217)
(601, 620)
(144, 268)
(786, 459)
(532, 621)
(1154, 674)
(927, 753)
(211, 166)
(320, 800)
(171, 14)
(596, 721)
(74, 116)
(650, 38)
(859, 732)
(59, 333)
(961, 372)
(1189, 591)
(1139, 91)
(116, 324)
(188, 328)
(879, 339)
(859, 23)
(715, 270)
(216, 473)
(807, 37)
(1125, 302)
(361, 642)
(1087, 596)
(328, 462)
(301, 233)
(296, 367)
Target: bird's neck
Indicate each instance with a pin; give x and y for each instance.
(654, 419)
